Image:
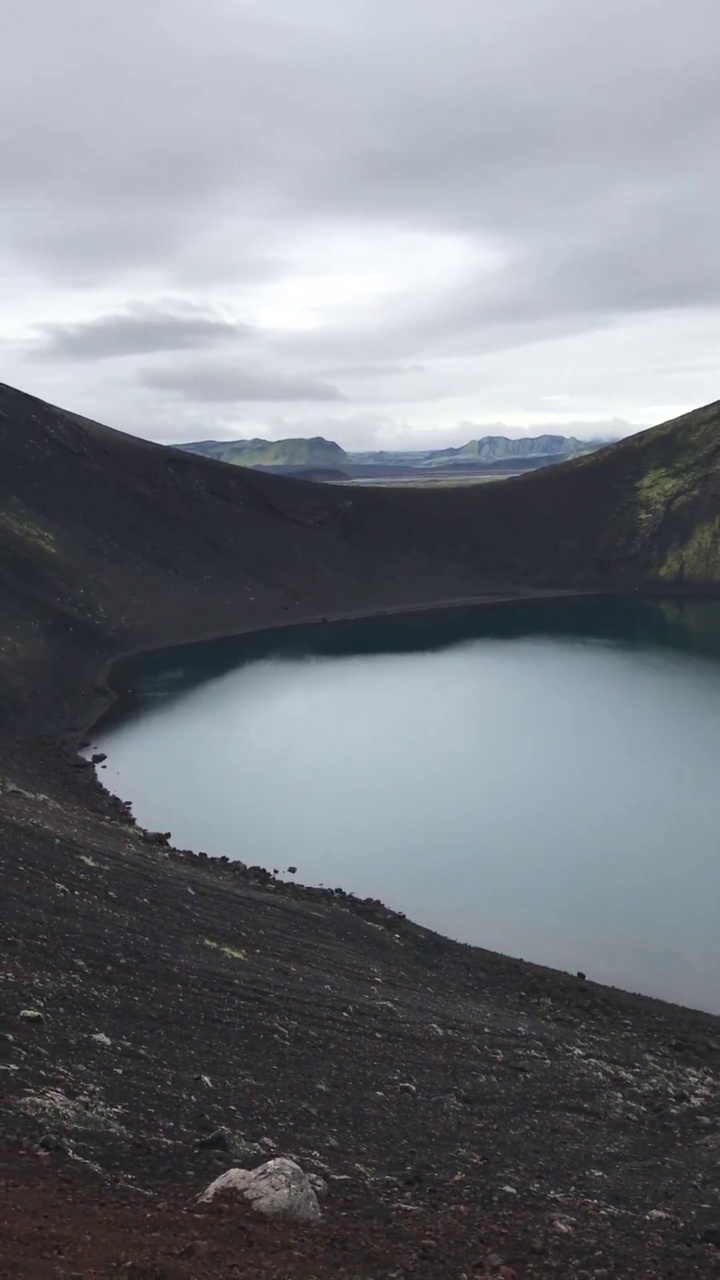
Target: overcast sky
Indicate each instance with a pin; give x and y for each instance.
(393, 222)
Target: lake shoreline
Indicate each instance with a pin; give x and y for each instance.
(105, 680)
(215, 693)
(194, 970)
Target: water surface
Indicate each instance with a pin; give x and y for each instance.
(541, 780)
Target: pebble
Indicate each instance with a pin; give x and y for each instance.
(219, 1140)
(562, 1227)
(50, 1142)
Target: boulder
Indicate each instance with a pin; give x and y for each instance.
(278, 1189)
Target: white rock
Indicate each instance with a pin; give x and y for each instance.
(100, 1038)
(279, 1189)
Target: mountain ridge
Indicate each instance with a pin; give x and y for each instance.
(299, 453)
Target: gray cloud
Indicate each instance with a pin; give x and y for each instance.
(374, 370)
(568, 149)
(137, 333)
(213, 382)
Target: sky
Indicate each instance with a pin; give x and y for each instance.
(396, 223)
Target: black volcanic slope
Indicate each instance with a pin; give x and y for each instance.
(108, 542)
(172, 994)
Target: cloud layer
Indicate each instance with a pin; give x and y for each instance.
(288, 202)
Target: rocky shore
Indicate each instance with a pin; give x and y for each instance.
(170, 1016)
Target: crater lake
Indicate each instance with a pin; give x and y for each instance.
(541, 779)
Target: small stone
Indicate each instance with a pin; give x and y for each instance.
(32, 1015)
(50, 1142)
(493, 1262)
(98, 756)
(509, 1191)
(562, 1226)
(100, 1038)
(406, 1087)
(219, 1140)
(292, 871)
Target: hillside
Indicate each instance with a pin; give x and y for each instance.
(498, 448)
(293, 453)
(82, 504)
(169, 1015)
(110, 540)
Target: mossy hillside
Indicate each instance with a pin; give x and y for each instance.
(674, 521)
(23, 525)
(698, 557)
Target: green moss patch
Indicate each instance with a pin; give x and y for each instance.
(233, 953)
(698, 558)
(21, 524)
(656, 489)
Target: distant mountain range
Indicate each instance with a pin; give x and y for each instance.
(324, 459)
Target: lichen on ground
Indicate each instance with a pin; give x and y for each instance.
(233, 953)
(19, 522)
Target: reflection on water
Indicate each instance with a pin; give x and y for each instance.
(540, 780)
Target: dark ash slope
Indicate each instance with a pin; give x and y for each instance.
(285, 1015)
(108, 542)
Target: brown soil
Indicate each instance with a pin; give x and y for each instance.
(458, 1103)
(59, 1221)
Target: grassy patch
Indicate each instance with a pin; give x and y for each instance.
(23, 526)
(233, 953)
(698, 557)
(656, 489)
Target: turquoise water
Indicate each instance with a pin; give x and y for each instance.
(542, 781)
